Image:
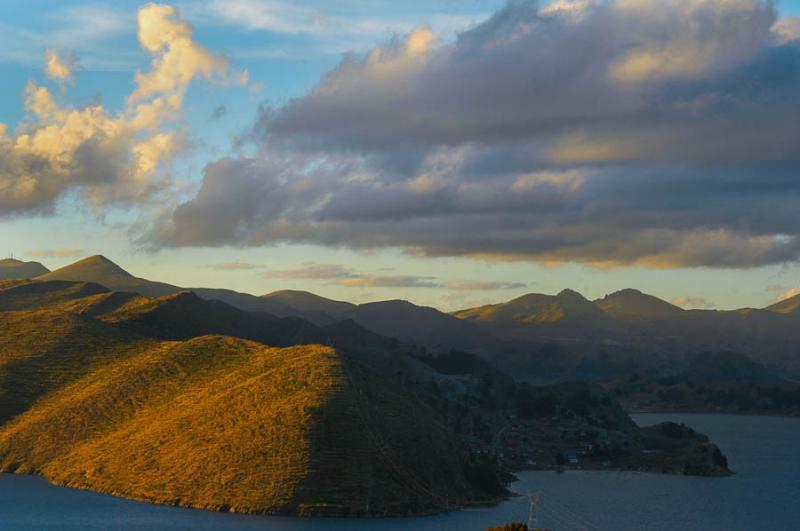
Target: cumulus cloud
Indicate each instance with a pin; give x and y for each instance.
(108, 159)
(59, 68)
(611, 133)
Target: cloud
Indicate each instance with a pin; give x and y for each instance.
(314, 271)
(388, 281)
(660, 134)
(59, 68)
(694, 303)
(63, 252)
(336, 29)
(476, 285)
(235, 266)
(88, 29)
(344, 276)
(107, 159)
(787, 30)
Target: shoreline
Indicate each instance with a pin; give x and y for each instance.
(708, 412)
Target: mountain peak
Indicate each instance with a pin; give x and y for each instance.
(631, 302)
(570, 294)
(95, 268)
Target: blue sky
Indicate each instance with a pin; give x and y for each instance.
(286, 50)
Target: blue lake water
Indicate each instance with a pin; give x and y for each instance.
(764, 494)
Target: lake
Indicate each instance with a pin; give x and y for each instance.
(764, 494)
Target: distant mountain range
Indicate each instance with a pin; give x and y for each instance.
(541, 337)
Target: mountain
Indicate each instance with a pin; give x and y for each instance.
(17, 269)
(633, 304)
(568, 317)
(535, 309)
(100, 270)
(408, 322)
(566, 336)
(310, 303)
(786, 306)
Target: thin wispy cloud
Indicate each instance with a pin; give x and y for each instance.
(235, 266)
(693, 303)
(61, 252)
(339, 275)
(85, 29)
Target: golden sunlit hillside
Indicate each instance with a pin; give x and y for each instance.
(89, 400)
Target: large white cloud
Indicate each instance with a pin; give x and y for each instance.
(661, 133)
(106, 158)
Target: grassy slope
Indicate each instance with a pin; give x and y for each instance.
(212, 422)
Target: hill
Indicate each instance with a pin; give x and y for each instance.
(310, 303)
(724, 382)
(633, 304)
(14, 269)
(289, 431)
(786, 306)
(100, 270)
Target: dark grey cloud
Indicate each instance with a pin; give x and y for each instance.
(620, 132)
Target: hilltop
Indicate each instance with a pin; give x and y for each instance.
(17, 269)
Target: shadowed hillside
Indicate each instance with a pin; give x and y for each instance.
(567, 336)
(787, 306)
(408, 322)
(13, 269)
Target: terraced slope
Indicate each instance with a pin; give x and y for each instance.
(229, 424)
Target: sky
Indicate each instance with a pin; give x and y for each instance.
(448, 152)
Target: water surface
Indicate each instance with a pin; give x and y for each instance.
(764, 494)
